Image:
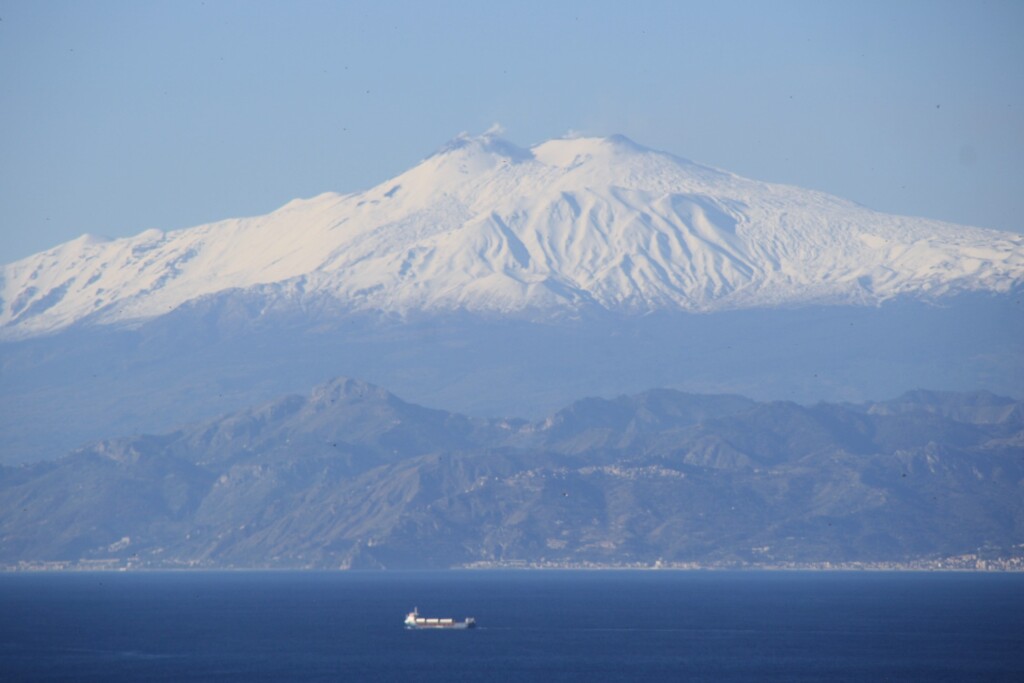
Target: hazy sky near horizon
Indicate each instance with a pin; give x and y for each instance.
(123, 116)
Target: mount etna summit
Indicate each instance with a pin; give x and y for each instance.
(485, 226)
(493, 279)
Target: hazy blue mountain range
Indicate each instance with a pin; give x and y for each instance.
(59, 391)
(352, 476)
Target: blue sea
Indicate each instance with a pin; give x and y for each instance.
(533, 626)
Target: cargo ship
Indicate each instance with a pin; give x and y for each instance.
(414, 620)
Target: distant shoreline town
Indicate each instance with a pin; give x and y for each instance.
(958, 563)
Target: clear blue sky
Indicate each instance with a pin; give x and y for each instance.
(122, 116)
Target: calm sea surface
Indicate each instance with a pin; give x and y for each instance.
(534, 626)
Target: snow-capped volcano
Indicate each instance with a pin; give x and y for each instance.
(484, 225)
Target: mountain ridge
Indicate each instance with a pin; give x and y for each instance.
(486, 226)
(387, 484)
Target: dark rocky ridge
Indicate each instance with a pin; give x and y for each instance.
(352, 476)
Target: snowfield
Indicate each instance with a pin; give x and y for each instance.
(486, 226)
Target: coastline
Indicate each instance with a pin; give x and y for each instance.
(969, 562)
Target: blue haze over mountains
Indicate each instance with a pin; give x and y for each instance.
(220, 355)
(503, 284)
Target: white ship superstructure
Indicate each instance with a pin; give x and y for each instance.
(415, 621)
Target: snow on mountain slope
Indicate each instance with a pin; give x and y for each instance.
(486, 226)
